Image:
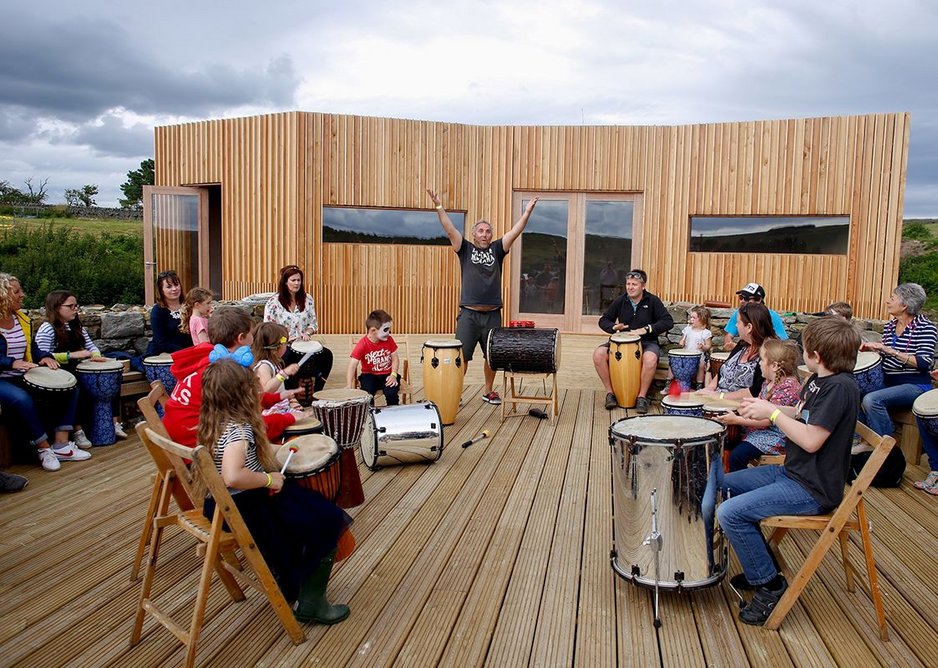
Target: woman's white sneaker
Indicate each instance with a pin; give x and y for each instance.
(48, 459)
(67, 452)
(79, 439)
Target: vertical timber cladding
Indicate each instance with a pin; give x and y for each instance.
(278, 171)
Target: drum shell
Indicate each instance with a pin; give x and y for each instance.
(684, 365)
(716, 361)
(733, 431)
(342, 414)
(296, 352)
(102, 382)
(692, 408)
(298, 430)
(159, 367)
(870, 377)
(926, 409)
(443, 374)
(625, 370)
(402, 435)
(523, 349)
(681, 473)
(325, 478)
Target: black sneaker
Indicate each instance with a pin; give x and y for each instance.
(10, 482)
(611, 401)
(762, 604)
(641, 405)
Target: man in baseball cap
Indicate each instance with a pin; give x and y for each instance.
(751, 292)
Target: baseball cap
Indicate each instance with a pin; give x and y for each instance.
(752, 290)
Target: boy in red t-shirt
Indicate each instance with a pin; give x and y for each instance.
(377, 354)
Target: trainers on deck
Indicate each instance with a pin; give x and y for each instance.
(67, 452)
(762, 604)
(119, 431)
(79, 439)
(611, 401)
(48, 459)
(10, 482)
(641, 405)
(492, 398)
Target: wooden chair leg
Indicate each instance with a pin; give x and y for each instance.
(875, 594)
(156, 536)
(848, 569)
(147, 526)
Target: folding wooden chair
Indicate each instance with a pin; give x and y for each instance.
(406, 393)
(226, 530)
(834, 526)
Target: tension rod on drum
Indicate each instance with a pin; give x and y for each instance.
(654, 541)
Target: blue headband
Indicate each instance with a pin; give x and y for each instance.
(242, 355)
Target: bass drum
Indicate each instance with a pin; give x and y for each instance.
(402, 435)
(523, 350)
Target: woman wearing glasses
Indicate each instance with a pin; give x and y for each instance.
(294, 309)
(165, 317)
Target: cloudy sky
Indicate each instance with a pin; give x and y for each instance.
(82, 84)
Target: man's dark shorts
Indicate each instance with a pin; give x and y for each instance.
(473, 327)
(647, 346)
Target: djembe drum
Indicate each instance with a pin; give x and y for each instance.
(101, 380)
(342, 414)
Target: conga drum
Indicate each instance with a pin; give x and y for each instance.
(625, 367)
(101, 380)
(684, 363)
(868, 372)
(157, 367)
(314, 465)
(303, 427)
(716, 361)
(661, 474)
(443, 373)
(926, 409)
(523, 349)
(402, 435)
(342, 414)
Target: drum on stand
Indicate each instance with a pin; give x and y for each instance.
(443, 374)
(684, 363)
(342, 414)
(868, 372)
(716, 361)
(686, 404)
(402, 435)
(314, 465)
(625, 367)
(661, 475)
(523, 349)
(303, 427)
(926, 409)
(101, 380)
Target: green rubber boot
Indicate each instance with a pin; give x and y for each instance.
(311, 605)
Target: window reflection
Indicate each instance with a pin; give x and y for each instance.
(359, 225)
(608, 253)
(544, 258)
(821, 235)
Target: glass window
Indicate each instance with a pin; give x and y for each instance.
(818, 235)
(608, 253)
(357, 225)
(544, 258)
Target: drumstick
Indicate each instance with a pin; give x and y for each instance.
(476, 439)
(306, 357)
(289, 457)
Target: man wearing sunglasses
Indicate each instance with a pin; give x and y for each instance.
(751, 292)
(480, 299)
(638, 312)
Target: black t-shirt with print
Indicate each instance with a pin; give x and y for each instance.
(481, 274)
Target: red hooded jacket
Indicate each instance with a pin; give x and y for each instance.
(181, 416)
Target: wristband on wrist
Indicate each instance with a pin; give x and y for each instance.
(722, 394)
(270, 480)
(774, 416)
(281, 377)
(439, 207)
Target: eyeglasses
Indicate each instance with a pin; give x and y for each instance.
(749, 298)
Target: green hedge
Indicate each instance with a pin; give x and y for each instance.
(100, 269)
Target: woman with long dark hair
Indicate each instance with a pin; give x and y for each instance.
(165, 317)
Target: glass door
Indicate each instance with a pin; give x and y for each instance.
(175, 235)
(570, 262)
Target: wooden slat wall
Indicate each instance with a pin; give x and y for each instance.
(278, 171)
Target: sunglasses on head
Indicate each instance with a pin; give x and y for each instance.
(636, 274)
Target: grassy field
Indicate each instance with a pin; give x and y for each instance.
(94, 226)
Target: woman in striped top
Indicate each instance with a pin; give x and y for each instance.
(908, 350)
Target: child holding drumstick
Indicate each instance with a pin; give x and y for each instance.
(270, 343)
(296, 529)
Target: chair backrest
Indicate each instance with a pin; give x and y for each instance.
(147, 404)
(188, 491)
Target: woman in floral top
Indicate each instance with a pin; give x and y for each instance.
(294, 309)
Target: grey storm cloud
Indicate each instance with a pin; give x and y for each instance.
(112, 138)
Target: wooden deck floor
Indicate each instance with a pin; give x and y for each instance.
(495, 555)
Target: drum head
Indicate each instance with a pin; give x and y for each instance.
(443, 343)
(303, 347)
(666, 429)
(164, 359)
(342, 395)
(684, 352)
(304, 425)
(720, 356)
(681, 402)
(866, 359)
(717, 408)
(313, 452)
(50, 379)
(926, 404)
(100, 367)
(624, 337)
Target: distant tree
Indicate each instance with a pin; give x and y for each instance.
(37, 194)
(83, 197)
(9, 194)
(133, 187)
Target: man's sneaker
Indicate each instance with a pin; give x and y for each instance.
(67, 452)
(492, 398)
(928, 483)
(641, 405)
(119, 431)
(48, 459)
(762, 604)
(611, 401)
(10, 482)
(79, 439)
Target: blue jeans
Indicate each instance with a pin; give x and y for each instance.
(929, 443)
(17, 401)
(874, 408)
(757, 493)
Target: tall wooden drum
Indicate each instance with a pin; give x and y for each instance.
(443, 373)
(625, 367)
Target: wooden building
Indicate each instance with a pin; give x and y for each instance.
(810, 208)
